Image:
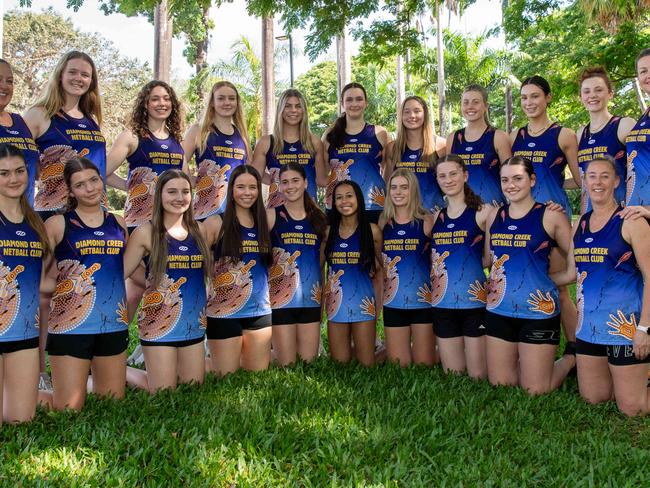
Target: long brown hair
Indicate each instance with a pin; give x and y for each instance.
(415, 209)
(138, 122)
(229, 240)
(472, 200)
(315, 215)
(53, 100)
(32, 218)
(336, 136)
(429, 154)
(159, 252)
(72, 166)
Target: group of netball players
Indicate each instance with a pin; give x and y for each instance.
(411, 226)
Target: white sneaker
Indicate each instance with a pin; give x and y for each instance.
(45, 382)
(137, 357)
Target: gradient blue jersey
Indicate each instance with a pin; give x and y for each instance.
(21, 261)
(549, 161)
(519, 285)
(174, 310)
(222, 154)
(150, 159)
(592, 145)
(65, 138)
(349, 294)
(457, 277)
(90, 297)
(291, 152)
(637, 145)
(294, 277)
(19, 135)
(406, 253)
(609, 285)
(240, 289)
(430, 193)
(359, 160)
(482, 163)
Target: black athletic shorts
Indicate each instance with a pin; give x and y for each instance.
(616, 355)
(300, 315)
(457, 322)
(528, 331)
(185, 343)
(87, 346)
(15, 346)
(398, 317)
(228, 328)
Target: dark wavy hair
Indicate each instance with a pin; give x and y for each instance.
(315, 215)
(539, 81)
(472, 200)
(368, 255)
(229, 240)
(520, 161)
(72, 166)
(336, 136)
(140, 115)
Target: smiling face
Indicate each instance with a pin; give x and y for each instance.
(244, 191)
(6, 85)
(413, 115)
(345, 200)
(292, 185)
(13, 177)
(225, 101)
(473, 106)
(533, 101)
(594, 94)
(601, 180)
(159, 104)
(643, 73)
(293, 111)
(354, 102)
(451, 178)
(399, 191)
(176, 196)
(77, 77)
(516, 183)
(87, 187)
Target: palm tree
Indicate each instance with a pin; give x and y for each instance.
(162, 49)
(268, 78)
(611, 13)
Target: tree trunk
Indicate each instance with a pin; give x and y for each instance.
(400, 84)
(162, 49)
(268, 78)
(509, 108)
(442, 101)
(343, 69)
(201, 48)
(639, 95)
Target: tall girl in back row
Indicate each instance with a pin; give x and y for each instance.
(291, 141)
(354, 151)
(417, 148)
(219, 143)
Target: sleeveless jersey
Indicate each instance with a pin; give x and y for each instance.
(90, 297)
(21, 260)
(19, 135)
(482, 163)
(240, 290)
(152, 157)
(359, 160)
(222, 154)
(429, 190)
(294, 277)
(549, 162)
(174, 310)
(406, 253)
(349, 295)
(609, 285)
(605, 141)
(65, 138)
(519, 285)
(457, 277)
(638, 162)
(291, 152)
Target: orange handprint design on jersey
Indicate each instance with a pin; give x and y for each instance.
(368, 306)
(621, 326)
(540, 302)
(477, 292)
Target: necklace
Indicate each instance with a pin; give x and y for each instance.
(538, 131)
(594, 131)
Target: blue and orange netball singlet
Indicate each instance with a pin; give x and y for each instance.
(609, 285)
(592, 145)
(457, 278)
(90, 297)
(406, 253)
(152, 157)
(19, 135)
(429, 190)
(21, 261)
(240, 289)
(519, 285)
(294, 277)
(174, 311)
(638, 162)
(359, 160)
(349, 295)
(291, 152)
(549, 162)
(222, 154)
(482, 163)
(65, 138)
